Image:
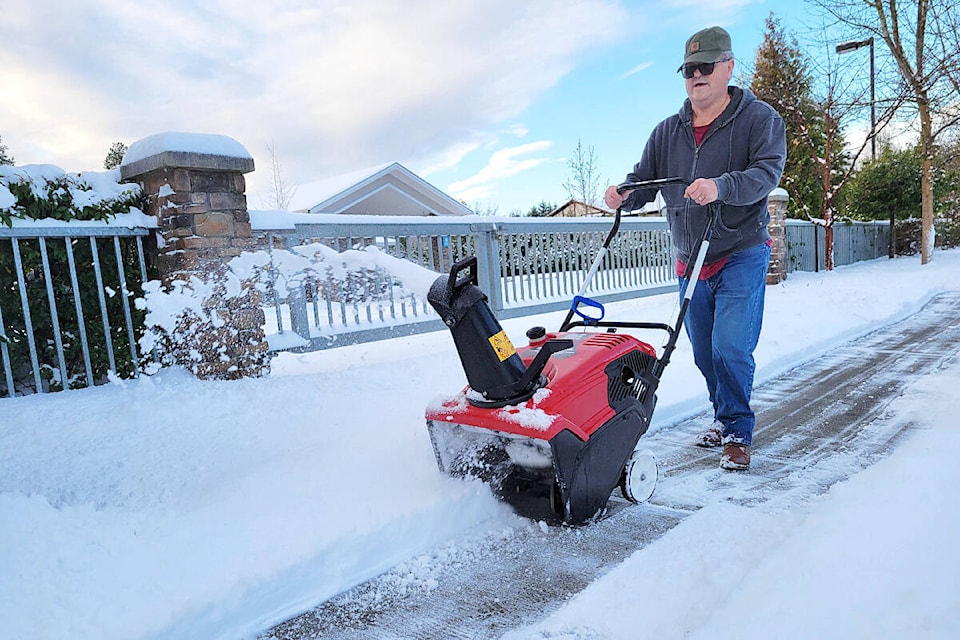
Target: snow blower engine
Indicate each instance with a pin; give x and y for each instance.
(552, 427)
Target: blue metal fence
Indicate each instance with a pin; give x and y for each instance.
(48, 339)
(526, 266)
(852, 242)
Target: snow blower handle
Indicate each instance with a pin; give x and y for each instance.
(691, 276)
(581, 296)
(468, 264)
(650, 184)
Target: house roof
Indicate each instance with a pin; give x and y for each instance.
(576, 208)
(387, 189)
(573, 208)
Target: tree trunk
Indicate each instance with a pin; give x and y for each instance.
(828, 196)
(927, 231)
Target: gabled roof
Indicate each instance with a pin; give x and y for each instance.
(575, 208)
(388, 189)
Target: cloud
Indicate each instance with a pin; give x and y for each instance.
(637, 69)
(451, 156)
(517, 130)
(502, 164)
(333, 85)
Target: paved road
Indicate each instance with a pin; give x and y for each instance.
(817, 425)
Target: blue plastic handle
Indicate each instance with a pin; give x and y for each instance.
(578, 300)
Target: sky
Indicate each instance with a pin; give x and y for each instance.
(485, 100)
(166, 507)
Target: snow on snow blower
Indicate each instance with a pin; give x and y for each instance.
(553, 428)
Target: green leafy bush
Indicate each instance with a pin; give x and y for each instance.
(48, 193)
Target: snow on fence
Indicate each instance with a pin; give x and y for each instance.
(525, 266)
(68, 316)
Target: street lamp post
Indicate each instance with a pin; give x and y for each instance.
(853, 45)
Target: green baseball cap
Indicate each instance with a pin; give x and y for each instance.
(706, 45)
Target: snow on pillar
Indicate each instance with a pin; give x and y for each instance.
(197, 193)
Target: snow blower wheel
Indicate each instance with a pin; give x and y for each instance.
(640, 476)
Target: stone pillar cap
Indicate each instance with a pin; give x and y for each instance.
(779, 194)
(185, 150)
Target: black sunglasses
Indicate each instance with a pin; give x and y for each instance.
(705, 68)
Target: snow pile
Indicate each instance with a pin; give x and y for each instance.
(287, 270)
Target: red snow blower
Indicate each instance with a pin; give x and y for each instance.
(553, 427)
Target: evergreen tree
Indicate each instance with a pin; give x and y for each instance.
(814, 108)
(4, 158)
(114, 155)
(541, 210)
(891, 184)
(782, 79)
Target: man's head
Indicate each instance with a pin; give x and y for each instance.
(707, 65)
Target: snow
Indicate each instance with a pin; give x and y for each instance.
(87, 188)
(167, 507)
(871, 559)
(130, 220)
(310, 194)
(205, 143)
(271, 219)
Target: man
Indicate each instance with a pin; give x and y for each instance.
(731, 147)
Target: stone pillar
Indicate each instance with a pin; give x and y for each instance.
(198, 197)
(777, 206)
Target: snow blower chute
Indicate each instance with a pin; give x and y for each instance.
(553, 427)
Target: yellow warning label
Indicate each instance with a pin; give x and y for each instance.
(502, 345)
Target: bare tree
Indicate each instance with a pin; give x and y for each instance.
(583, 182)
(923, 38)
(817, 106)
(482, 209)
(281, 193)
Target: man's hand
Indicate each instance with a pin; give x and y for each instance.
(613, 198)
(703, 191)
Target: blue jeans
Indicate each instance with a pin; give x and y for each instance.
(723, 324)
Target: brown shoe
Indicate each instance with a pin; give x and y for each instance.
(736, 457)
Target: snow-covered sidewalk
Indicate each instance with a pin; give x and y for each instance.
(167, 507)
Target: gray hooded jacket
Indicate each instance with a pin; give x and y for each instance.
(743, 151)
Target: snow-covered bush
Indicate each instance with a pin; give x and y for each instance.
(46, 191)
(198, 323)
(212, 327)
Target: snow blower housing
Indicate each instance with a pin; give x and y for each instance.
(551, 427)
